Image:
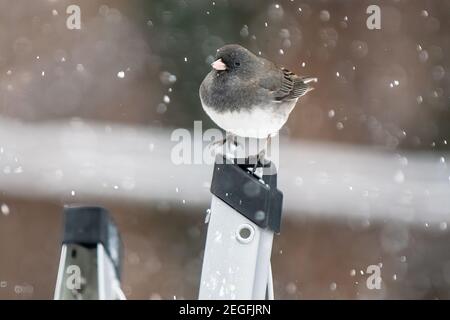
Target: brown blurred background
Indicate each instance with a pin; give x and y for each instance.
(140, 63)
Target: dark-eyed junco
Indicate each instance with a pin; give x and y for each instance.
(247, 95)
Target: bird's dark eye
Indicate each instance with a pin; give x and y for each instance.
(237, 63)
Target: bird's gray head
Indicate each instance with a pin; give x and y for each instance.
(234, 58)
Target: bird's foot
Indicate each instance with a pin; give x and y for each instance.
(259, 162)
(218, 143)
(227, 147)
(229, 142)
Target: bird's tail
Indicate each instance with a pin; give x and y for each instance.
(308, 81)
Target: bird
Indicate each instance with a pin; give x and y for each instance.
(249, 96)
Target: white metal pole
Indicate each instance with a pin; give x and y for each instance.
(245, 214)
(89, 267)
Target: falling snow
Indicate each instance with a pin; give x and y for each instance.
(4, 209)
(134, 72)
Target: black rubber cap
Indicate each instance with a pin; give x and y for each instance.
(257, 199)
(88, 226)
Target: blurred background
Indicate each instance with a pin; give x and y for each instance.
(86, 117)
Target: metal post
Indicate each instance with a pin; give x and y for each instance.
(245, 214)
(90, 263)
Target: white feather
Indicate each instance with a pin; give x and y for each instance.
(260, 122)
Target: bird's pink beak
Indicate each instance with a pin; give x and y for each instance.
(219, 65)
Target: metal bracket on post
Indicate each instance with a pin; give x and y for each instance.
(245, 214)
(91, 255)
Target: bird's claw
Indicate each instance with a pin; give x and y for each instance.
(259, 161)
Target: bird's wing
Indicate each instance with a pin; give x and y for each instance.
(288, 86)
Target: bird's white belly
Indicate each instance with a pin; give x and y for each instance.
(258, 123)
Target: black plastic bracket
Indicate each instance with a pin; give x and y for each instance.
(88, 226)
(258, 199)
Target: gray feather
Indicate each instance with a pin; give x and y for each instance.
(254, 84)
